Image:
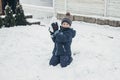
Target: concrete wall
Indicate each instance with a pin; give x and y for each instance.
(87, 7)
(113, 8)
(59, 5)
(103, 12)
(115, 22)
(106, 8)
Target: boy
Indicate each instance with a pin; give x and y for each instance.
(62, 39)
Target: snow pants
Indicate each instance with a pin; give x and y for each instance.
(64, 60)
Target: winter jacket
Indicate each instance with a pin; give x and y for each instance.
(63, 40)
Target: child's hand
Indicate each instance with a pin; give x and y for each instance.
(54, 26)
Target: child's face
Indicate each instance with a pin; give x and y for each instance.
(65, 25)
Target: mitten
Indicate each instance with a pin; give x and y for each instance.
(54, 26)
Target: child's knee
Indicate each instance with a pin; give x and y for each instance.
(65, 60)
(54, 60)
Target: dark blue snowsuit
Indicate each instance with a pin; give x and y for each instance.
(62, 48)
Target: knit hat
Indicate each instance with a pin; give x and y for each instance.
(66, 20)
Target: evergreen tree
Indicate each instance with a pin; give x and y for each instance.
(9, 20)
(1, 22)
(20, 17)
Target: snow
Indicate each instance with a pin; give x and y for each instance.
(38, 2)
(33, 20)
(42, 13)
(25, 52)
(49, 9)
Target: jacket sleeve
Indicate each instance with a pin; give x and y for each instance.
(53, 36)
(74, 33)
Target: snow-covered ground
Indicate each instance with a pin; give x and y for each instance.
(48, 3)
(39, 12)
(25, 52)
